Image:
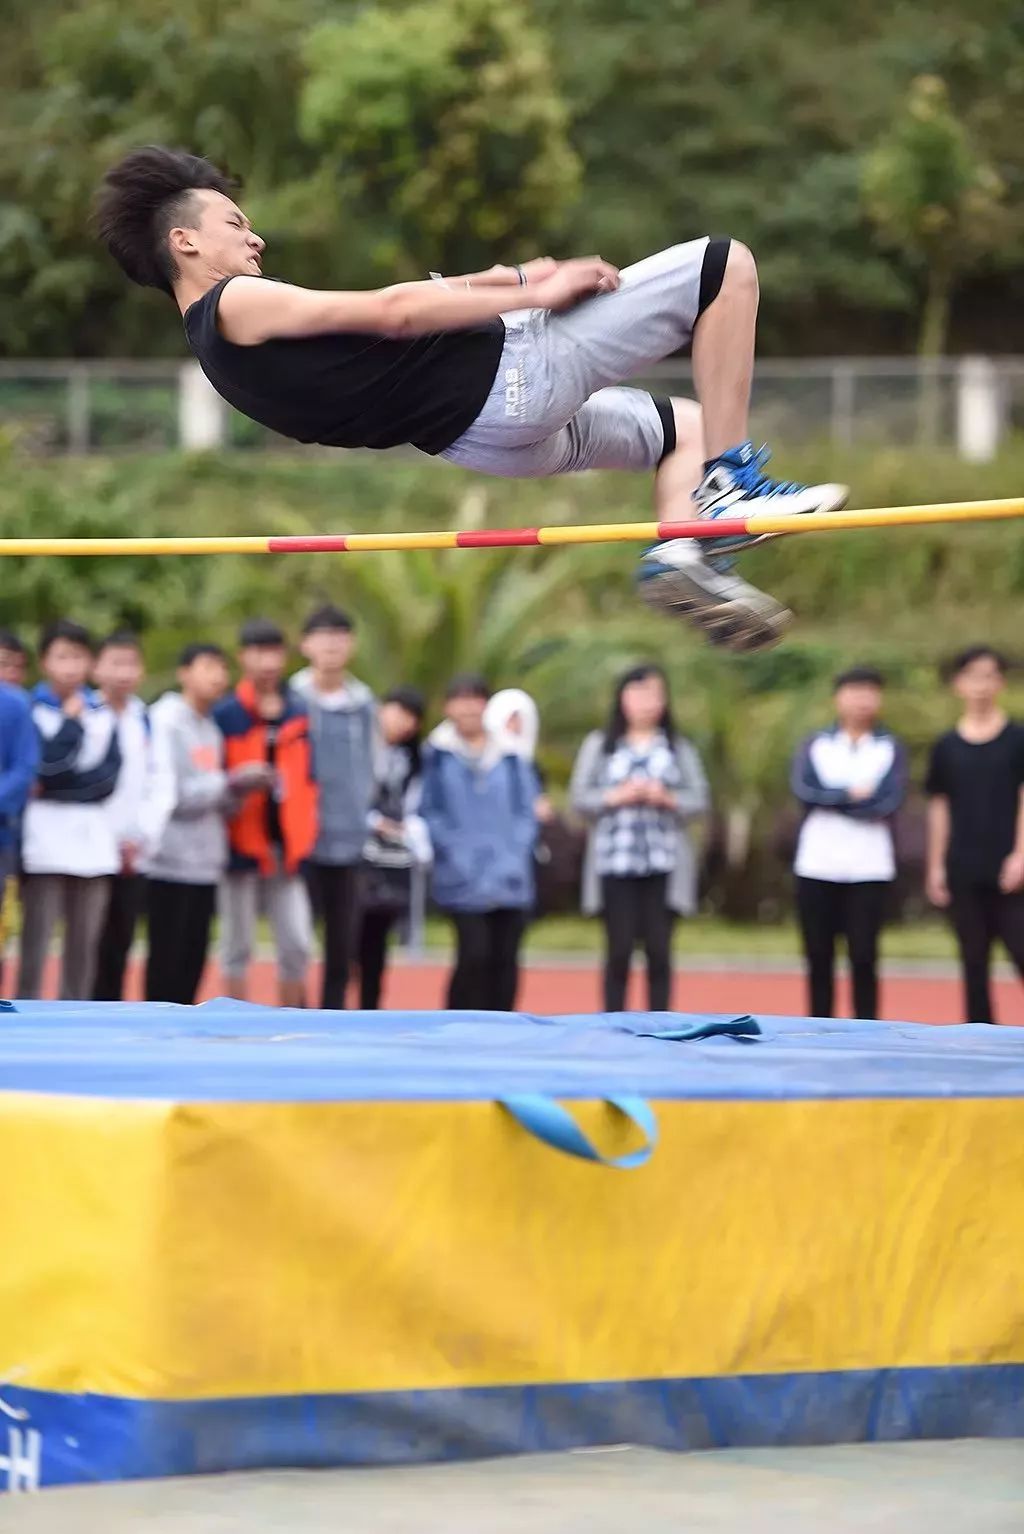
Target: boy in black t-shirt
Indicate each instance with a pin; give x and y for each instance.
(976, 825)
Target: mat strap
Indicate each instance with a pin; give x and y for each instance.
(549, 1122)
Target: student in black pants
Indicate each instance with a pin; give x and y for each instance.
(179, 918)
(637, 915)
(829, 910)
(976, 826)
(851, 779)
(486, 973)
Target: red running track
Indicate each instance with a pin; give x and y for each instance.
(916, 999)
(905, 998)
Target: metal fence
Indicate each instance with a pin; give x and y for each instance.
(74, 407)
(969, 403)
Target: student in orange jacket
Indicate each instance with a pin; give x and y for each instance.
(265, 722)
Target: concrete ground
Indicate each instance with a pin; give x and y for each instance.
(962, 1487)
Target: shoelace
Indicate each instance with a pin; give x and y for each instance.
(757, 484)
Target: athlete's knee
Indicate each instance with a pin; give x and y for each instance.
(740, 266)
(688, 434)
(689, 419)
(727, 264)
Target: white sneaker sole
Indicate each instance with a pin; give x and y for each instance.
(741, 625)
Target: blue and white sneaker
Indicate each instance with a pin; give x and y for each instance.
(734, 486)
(694, 578)
(677, 579)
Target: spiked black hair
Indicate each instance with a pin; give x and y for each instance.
(142, 198)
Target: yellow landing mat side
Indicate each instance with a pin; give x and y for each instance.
(250, 1249)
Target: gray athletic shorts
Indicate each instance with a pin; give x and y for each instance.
(552, 408)
(283, 899)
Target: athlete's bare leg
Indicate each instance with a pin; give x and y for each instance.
(681, 472)
(723, 354)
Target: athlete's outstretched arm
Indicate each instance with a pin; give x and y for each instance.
(252, 310)
(508, 276)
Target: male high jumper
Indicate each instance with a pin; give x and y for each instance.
(513, 371)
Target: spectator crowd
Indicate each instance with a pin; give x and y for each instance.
(307, 802)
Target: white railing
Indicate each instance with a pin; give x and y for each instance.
(126, 406)
(970, 403)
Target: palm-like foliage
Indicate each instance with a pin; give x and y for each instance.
(561, 622)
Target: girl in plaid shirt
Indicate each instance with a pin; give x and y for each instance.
(639, 783)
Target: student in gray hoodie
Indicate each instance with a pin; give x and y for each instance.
(345, 751)
(183, 823)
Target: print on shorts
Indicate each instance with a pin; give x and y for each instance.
(514, 390)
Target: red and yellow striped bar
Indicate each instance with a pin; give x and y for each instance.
(760, 524)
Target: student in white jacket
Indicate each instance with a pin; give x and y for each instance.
(69, 850)
(851, 778)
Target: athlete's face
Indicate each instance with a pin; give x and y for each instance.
(221, 241)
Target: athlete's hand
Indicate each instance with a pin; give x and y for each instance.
(539, 268)
(584, 277)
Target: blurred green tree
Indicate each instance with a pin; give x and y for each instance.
(381, 137)
(932, 196)
(446, 128)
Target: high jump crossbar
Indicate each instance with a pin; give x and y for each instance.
(758, 524)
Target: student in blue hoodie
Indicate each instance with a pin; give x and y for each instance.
(19, 762)
(478, 803)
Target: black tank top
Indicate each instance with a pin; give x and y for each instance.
(351, 390)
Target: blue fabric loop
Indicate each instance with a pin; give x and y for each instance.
(745, 1028)
(549, 1121)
